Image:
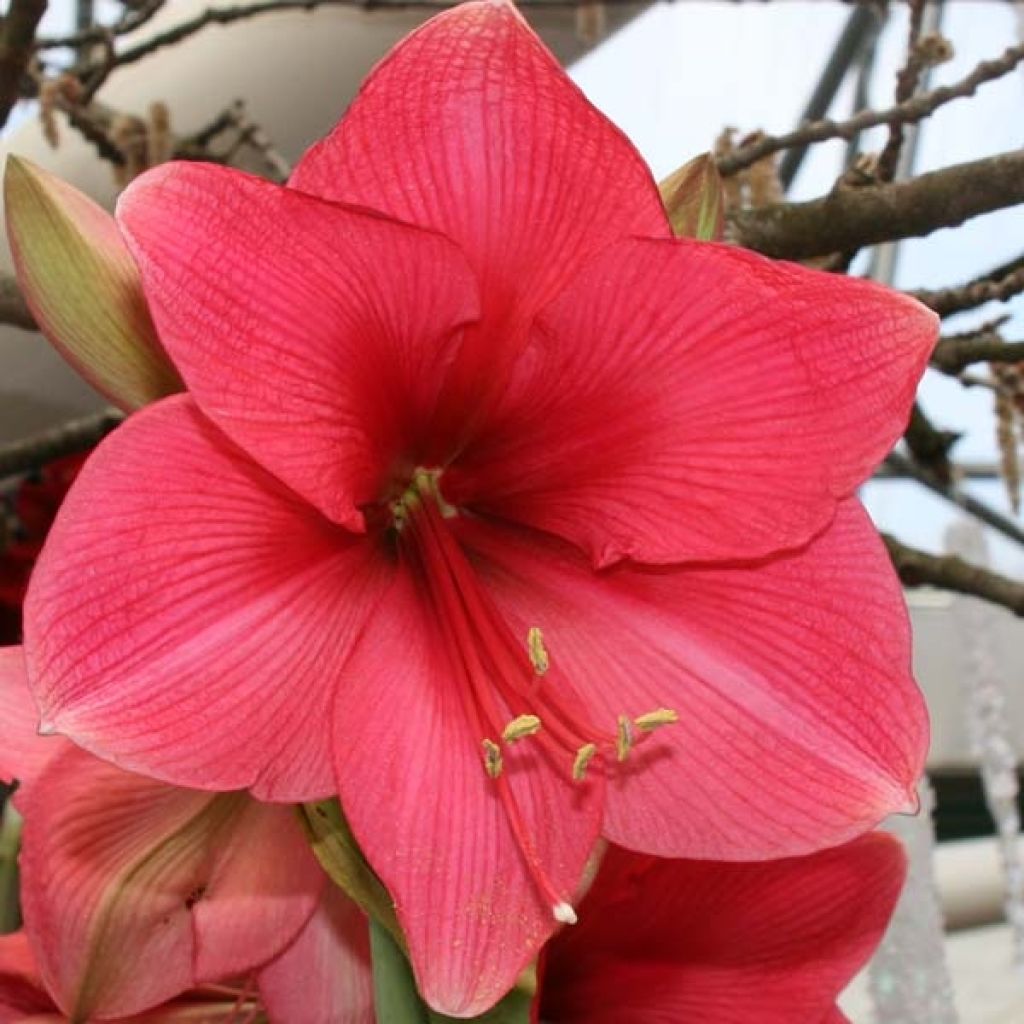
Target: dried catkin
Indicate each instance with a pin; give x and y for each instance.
(933, 49)
(49, 92)
(159, 142)
(591, 22)
(130, 135)
(1006, 406)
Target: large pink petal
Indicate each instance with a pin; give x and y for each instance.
(686, 401)
(325, 975)
(189, 615)
(23, 752)
(661, 941)
(134, 891)
(315, 335)
(430, 821)
(799, 723)
(471, 127)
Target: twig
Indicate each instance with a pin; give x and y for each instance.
(953, 355)
(99, 70)
(980, 469)
(907, 81)
(13, 308)
(93, 124)
(848, 218)
(929, 445)
(76, 436)
(131, 21)
(949, 572)
(999, 284)
(972, 380)
(903, 466)
(252, 135)
(982, 330)
(247, 133)
(909, 112)
(226, 15)
(17, 36)
(202, 138)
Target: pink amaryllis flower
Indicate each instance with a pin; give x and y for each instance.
(135, 892)
(492, 508)
(323, 977)
(663, 941)
(24, 998)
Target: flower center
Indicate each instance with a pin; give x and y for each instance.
(512, 689)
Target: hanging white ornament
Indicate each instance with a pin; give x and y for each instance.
(988, 726)
(908, 977)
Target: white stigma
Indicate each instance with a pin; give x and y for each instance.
(47, 728)
(564, 913)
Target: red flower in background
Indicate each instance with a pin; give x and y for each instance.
(664, 942)
(33, 509)
(480, 478)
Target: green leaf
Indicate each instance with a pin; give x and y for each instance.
(695, 200)
(336, 848)
(513, 1009)
(395, 999)
(83, 287)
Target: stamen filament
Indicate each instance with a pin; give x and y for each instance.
(624, 741)
(469, 629)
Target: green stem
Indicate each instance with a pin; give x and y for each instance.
(10, 842)
(395, 998)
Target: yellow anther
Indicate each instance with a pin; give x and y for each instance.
(624, 741)
(524, 725)
(538, 652)
(426, 483)
(583, 758)
(656, 719)
(492, 758)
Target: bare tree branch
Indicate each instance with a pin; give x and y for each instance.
(900, 465)
(853, 217)
(909, 112)
(13, 308)
(949, 572)
(17, 36)
(929, 445)
(998, 284)
(132, 20)
(227, 15)
(907, 81)
(77, 436)
(953, 356)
